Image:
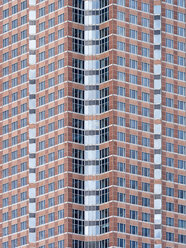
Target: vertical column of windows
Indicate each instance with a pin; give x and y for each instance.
(32, 120)
(91, 126)
(157, 127)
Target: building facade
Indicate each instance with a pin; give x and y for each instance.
(93, 123)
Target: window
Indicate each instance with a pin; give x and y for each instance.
(14, 9)
(23, 20)
(42, 41)
(121, 227)
(120, 16)
(120, 61)
(14, 24)
(51, 22)
(60, 33)
(169, 117)
(41, 26)
(145, 67)
(120, 30)
(51, 7)
(169, 206)
(145, 37)
(5, 42)
(145, 52)
(133, 34)
(5, 13)
(60, 18)
(60, 48)
(145, 217)
(133, 109)
(121, 242)
(181, 46)
(133, 4)
(60, 4)
(121, 106)
(133, 19)
(169, 28)
(133, 64)
(145, 22)
(120, 46)
(181, 3)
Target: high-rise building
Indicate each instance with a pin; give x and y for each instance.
(93, 123)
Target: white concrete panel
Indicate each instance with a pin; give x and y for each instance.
(157, 204)
(32, 177)
(157, 158)
(32, 237)
(32, 88)
(157, 128)
(157, 174)
(32, 193)
(157, 234)
(32, 15)
(91, 124)
(32, 44)
(157, 84)
(157, 9)
(92, 80)
(32, 103)
(92, 94)
(157, 189)
(157, 54)
(32, 133)
(32, 118)
(32, 59)
(157, 99)
(32, 222)
(157, 24)
(92, 185)
(157, 114)
(157, 219)
(32, 163)
(32, 207)
(157, 143)
(157, 40)
(32, 148)
(92, 155)
(32, 29)
(92, 170)
(157, 69)
(91, 64)
(32, 2)
(92, 215)
(91, 230)
(92, 139)
(157, 246)
(32, 74)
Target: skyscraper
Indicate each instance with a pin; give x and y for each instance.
(93, 124)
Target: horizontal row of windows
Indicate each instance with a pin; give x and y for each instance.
(51, 37)
(51, 202)
(14, 242)
(51, 142)
(23, 241)
(134, 124)
(14, 24)
(51, 22)
(145, 22)
(23, 152)
(15, 8)
(145, 156)
(51, 8)
(145, 37)
(51, 157)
